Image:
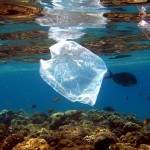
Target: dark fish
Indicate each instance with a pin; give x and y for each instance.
(120, 56)
(123, 78)
(127, 97)
(50, 110)
(32, 106)
(4, 61)
(109, 108)
(146, 122)
(139, 94)
(57, 99)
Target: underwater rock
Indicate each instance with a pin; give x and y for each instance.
(115, 44)
(24, 35)
(73, 114)
(38, 118)
(121, 146)
(4, 132)
(123, 17)
(16, 11)
(103, 140)
(137, 138)
(144, 147)
(20, 120)
(33, 144)
(56, 120)
(6, 116)
(12, 140)
(74, 130)
(122, 2)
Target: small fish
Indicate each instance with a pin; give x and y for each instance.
(50, 110)
(32, 106)
(146, 122)
(109, 108)
(120, 56)
(148, 97)
(57, 99)
(127, 97)
(4, 61)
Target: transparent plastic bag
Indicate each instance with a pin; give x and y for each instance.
(143, 24)
(58, 33)
(67, 18)
(74, 72)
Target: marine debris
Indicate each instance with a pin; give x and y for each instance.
(72, 130)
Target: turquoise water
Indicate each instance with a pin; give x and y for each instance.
(21, 84)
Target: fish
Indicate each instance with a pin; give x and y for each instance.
(123, 78)
(32, 106)
(109, 108)
(4, 61)
(120, 56)
(146, 122)
(50, 110)
(127, 97)
(57, 99)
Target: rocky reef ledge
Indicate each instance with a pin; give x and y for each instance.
(72, 130)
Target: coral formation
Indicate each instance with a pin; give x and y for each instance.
(13, 139)
(72, 130)
(13, 11)
(33, 144)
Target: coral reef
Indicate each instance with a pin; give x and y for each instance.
(33, 144)
(72, 130)
(13, 139)
(13, 11)
(38, 118)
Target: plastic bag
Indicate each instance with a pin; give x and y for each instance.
(59, 34)
(74, 72)
(67, 18)
(144, 25)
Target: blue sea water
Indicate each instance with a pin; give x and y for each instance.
(21, 84)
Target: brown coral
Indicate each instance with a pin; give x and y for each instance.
(13, 11)
(33, 144)
(12, 140)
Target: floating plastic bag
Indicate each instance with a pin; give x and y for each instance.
(58, 33)
(144, 25)
(74, 72)
(68, 18)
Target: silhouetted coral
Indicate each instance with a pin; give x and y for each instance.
(38, 118)
(13, 139)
